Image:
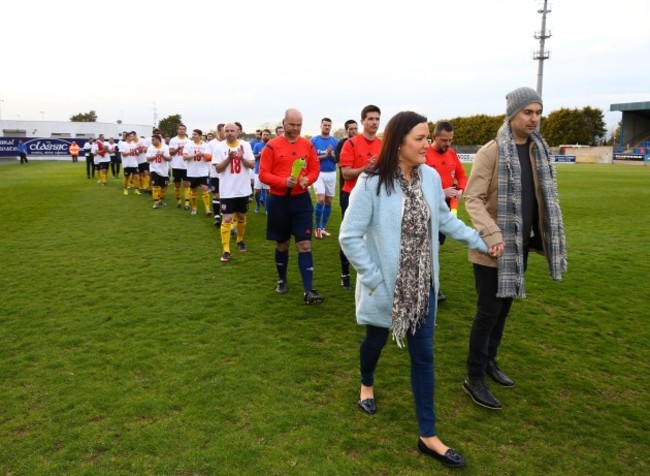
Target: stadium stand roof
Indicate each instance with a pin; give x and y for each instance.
(635, 125)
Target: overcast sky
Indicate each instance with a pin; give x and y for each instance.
(250, 60)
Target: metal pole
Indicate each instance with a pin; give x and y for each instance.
(542, 55)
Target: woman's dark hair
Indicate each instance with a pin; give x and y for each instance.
(396, 130)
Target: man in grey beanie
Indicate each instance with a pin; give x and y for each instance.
(511, 198)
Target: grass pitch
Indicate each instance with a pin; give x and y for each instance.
(126, 347)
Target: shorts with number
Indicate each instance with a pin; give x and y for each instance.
(179, 174)
(143, 167)
(197, 181)
(234, 205)
(158, 180)
(289, 215)
(326, 184)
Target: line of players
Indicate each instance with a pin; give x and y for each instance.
(225, 168)
(220, 169)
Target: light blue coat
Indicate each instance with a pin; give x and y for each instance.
(370, 237)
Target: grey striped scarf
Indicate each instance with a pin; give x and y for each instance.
(509, 219)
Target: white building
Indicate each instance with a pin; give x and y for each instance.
(69, 130)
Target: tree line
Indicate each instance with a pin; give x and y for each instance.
(584, 126)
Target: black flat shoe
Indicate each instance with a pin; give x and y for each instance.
(368, 405)
(496, 374)
(451, 459)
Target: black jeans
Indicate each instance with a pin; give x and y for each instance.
(489, 321)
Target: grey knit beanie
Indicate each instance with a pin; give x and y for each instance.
(519, 99)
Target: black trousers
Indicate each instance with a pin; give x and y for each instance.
(489, 321)
(344, 201)
(90, 166)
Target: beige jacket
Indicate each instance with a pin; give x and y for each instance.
(481, 199)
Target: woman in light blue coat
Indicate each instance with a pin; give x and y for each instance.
(390, 235)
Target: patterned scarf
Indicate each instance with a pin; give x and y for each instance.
(509, 219)
(411, 300)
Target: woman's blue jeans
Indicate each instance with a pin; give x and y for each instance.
(420, 348)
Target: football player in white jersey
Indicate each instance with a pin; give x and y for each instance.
(129, 150)
(158, 157)
(197, 157)
(233, 159)
(179, 167)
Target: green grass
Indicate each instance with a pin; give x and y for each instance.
(127, 348)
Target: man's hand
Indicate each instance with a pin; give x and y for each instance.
(497, 250)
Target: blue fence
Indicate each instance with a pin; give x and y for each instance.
(38, 146)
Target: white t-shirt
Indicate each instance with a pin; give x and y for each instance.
(197, 166)
(213, 144)
(235, 179)
(177, 159)
(129, 151)
(143, 145)
(98, 157)
(160, 163)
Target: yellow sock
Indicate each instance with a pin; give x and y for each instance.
(194, 197)
(241, 228)
(127, 181)
(155, 193)
(177, 191)
(136, 181)
(146, 182)
(163, 193)
(187, 192)
(225, 236)
(207, 201)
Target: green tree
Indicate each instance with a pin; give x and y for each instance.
(574, 126)
(90, 116)
(595, 122)
(473, 130)
(169, 124)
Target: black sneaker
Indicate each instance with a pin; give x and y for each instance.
(281, 288)
(312, 297)
(225, 257)
(241, 246)
(217, 221)
(346, 283)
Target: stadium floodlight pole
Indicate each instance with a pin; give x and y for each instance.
(155, 114)
(541, 55)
